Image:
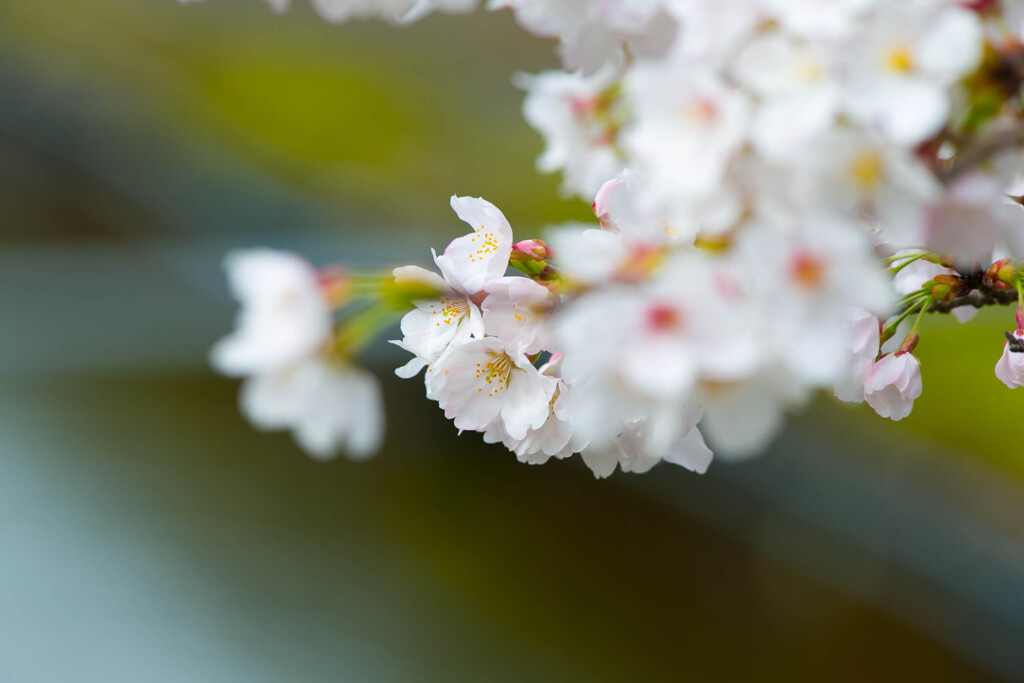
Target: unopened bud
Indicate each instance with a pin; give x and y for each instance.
(909, 344)
(1008, 274)
(945, 287)
(1001, 275)
(532, 248)
(530, 257)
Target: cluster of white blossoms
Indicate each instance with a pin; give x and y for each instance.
(283, 346)
(782, 189)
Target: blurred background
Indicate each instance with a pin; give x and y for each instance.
(148, 534)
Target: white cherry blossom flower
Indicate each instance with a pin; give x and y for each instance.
(799, 92)
(471, 261)
(805, 282)
(683, 113)
(892, 384)
(483, 380)
(579, 118)
(284, 315)
(328, 407)
(861, 174)
(910, 53)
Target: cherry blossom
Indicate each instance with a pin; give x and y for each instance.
(482, 380)
(892, 384)
(329, 408)
(284, 314)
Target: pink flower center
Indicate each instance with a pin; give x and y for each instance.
(807, 270)
(663, 318)
(702, 112)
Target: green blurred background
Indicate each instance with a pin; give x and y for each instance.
(147, 534)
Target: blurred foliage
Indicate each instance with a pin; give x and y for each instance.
(396, 128)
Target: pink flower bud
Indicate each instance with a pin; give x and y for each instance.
(532, 248)
(1010, 367)
(892, 384)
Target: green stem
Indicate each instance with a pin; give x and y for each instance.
(913, 259)
(920, 316)
(916, 294)
(900, 257)
(890, 329)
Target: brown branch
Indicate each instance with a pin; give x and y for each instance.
(976, 298)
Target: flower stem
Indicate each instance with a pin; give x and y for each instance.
(889, 330)
(912, 259)
(920, 316)
(900, 257)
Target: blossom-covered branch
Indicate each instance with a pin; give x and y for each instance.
(782, 190)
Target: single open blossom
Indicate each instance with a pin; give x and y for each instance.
(329, 407)
(699, 117)
(910, 54)
(473, 260)
(800, 94)
(284, 316)
(483, 380)
(892, 384)
(1010, 367)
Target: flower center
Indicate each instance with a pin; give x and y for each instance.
(488, 243)
(900, 60)
(702, 112)
(807, 270)
(495, 373)
(866, 171)
(663, 318)
(450, 310)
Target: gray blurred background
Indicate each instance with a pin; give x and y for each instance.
(147, 534)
